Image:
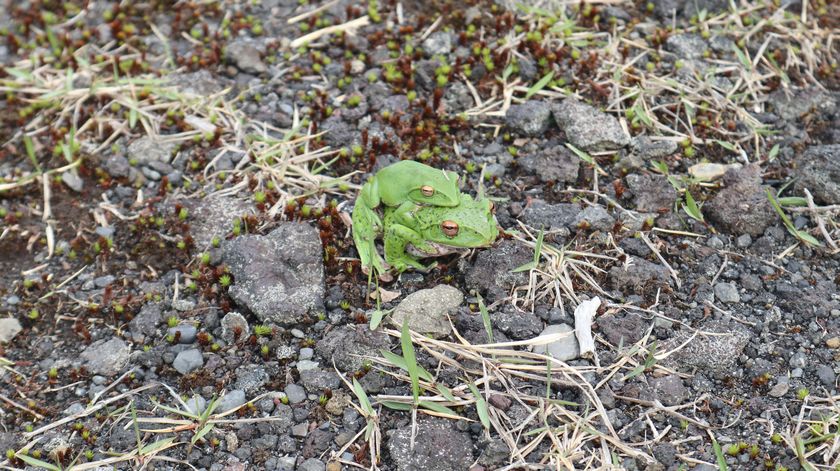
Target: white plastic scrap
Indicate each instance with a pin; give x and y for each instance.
(584, 314)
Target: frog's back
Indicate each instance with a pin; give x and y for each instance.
(397, 180)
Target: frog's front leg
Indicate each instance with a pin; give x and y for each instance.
(397, 236)
(366, 224)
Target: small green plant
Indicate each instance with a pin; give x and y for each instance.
(53, 373)
(259, 197)
(344, 304)
(205, 258)
(172, 321)
(183, 214)
(34, 314)
(224, 281)
(776, 438)
(261, 330)
(802, 393)
(322, 399)
(216, 242)
(264, 350)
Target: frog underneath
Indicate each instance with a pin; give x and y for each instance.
(433, 231)
(398, 187)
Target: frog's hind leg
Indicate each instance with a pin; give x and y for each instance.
(397, 237)
(366, 224)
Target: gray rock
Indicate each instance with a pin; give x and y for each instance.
(670, 390)
(245, 56)
(437, 447)
(714, 354)
(516, 323)
(234, 328)
(304, 365)
(117, 166)
(147, 149)
(587, 128)
(306, 353)
(665, 453)
(624, 329)
(75, 408)
(185, 333)
(339, 133)
(316, 381)
(818, 169)
(564, 349)
(438, 43)
(188, 360)
(427, 310)
(312, 464)
(792, 107)
(73, 181)
(647, 148)
(213, 217)
(201, 82)
(300, 430)
(686, 46)
(106, 357)
(231, 400)
(457, 98)
(250, 378)
(295, 393)
(640, 277)
(280, 276)
(196, 404)
(727, 293)
(553, 163)
(530, 118)
(595, 217)
(347, 346)
(652, 192)
(491, 274)
(826, 376)
(9, 328)
(743, 241)
(542, 215)
(742, 207)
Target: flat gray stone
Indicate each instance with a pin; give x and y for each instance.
(427, 310)
(231, 400)
(9, 327)
(588, 128)
(295, 393)
(147, 149)
(188, 360)
(727, 293)
(279, 276)
(106, 357)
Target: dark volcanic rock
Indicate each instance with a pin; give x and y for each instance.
(491, 274)
(742, 206)
(818, 169)
(279, 276)
(349, 344)
(588, 128)
(640, 277)
(437, 447)
(553, 163)
(530, 118)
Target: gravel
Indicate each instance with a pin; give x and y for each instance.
(587, 128)
(106, 357)
(188, 361)
(427, 311)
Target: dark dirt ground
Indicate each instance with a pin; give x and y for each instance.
(176, 180)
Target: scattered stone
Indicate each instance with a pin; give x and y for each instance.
(530, 118)
(300, 430)
(196, 404)
(106, 357)
(686, 46)
(833, 342)
(563, 349)
(826, 376)
(279, 276)
(670, 390)
(639, 277)
(742, 206)
(647, 148)
(438, 43)
(73, 181)
(188, 360)
(552, 164)
(245, 56)
(316, 381)
(516, 323)
(653, 192)
(348, 344)
(295, 393)
(587, 128)
(211, 217)
(337, 403)
(231, 400)
(250, 378)
(625, 329)
(711, 353)
(491, 274)
(438, 446)
(802, 102)
(710, 171)
(234, 327)
(818, 169)
(9, 327)
(542, 215)
(148, 149)
(185, 333)
(594, 217)
(312, 464)
(427, 310)
(727, 293)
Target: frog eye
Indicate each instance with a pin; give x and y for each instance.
(450, 228)
(427, 191)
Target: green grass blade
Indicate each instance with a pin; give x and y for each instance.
(481, 406)
(156, 446)
(396, 405)
(446, 393)
(201, 433)
(410, 360)
(434, 406)
(485, 317)
(721, 460)
(399, 362)
(539, 85)
(690, 207)
(362, 396)
(36, 462)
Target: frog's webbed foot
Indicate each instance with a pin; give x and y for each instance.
(402, 264)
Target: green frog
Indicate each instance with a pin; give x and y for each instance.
(399, 188)
(434, 231)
